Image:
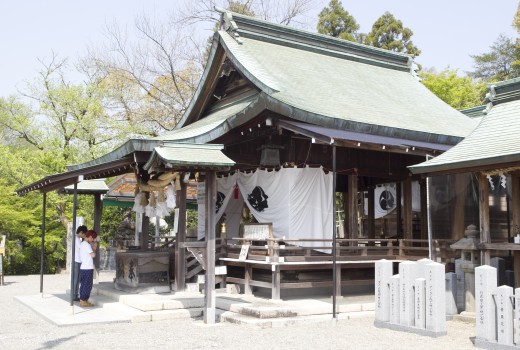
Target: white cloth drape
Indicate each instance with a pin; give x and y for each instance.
(297, 201)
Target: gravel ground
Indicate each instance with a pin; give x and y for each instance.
(21, 328)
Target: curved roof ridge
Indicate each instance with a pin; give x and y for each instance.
(246, 26)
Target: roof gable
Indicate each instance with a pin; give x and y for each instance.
(493, 143)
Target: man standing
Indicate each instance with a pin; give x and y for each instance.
(80, 235)
(86, 273)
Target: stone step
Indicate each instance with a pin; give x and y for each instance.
(240, 319)
(137, 308)
(269, 310)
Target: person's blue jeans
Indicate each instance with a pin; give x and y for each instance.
(75, 279)
(86, 281)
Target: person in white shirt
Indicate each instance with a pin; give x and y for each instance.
(80, 234)
(87, 251)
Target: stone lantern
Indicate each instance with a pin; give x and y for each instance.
(470, 256)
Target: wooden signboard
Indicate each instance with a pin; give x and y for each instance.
(243, 252)
(260, 231)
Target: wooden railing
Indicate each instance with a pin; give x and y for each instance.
(346, 249)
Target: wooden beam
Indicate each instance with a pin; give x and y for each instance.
(424, 210)
(209, 285)
(180, 251)
(371, 213)
(352, 206)
(398, 210)
(458, 208)
(483, 205)
(515, 211)
(407, 209)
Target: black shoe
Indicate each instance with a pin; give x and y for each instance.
(76, 299)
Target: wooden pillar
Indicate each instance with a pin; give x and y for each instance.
(338, 279)
(398, 211)
(275, 290)
(483, 205)
(248, 275)
(371, 214)
(515, 210)
(458, 208)
(352, 206)
(407, 209)
(98, 209)
(209, 285)
(180, 251)
(346, 225)
(143, 239)
(424, 210)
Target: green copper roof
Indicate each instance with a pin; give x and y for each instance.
(310, 78)
(493, 144)
(218, 121)
(331, 84)
(87, 187)
(193, 156)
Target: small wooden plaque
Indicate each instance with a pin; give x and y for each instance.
(243, 252)
(258, 231)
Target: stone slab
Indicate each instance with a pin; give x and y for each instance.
(415, 330)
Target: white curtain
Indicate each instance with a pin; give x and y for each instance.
(226, 203)
(297, 201)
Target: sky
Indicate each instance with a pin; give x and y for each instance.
(446, 31)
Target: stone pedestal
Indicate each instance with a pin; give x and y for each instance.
(142, 272)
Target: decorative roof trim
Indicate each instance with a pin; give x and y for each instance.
(213, 68)
(247, 26)
(129, 147)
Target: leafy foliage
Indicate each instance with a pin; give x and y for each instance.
(501, 63)
(335, 21)
(458, 92)
(390, 34)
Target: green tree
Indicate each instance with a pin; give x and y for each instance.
(458, 92)
(335, 21)
(516, 19)
(498, 64)
(390, 34)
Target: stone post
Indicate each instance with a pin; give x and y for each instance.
(420, 303)
(451, 293)
(504, 315)
(485, 285)
(383, 273)
(435, 298)
(517, 317)
(408, 274)
(394, 299)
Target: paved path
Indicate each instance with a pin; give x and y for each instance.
(21, 328)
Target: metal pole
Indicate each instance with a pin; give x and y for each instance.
(334, 279)
(42, 250)
(73, 243)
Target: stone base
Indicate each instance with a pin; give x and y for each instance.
(415, 330)
(465, 316)
(143, 288)
(484, 344)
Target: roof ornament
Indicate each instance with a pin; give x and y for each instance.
(490, 97)
(413, 68)
(228, 24)
(227, 68)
